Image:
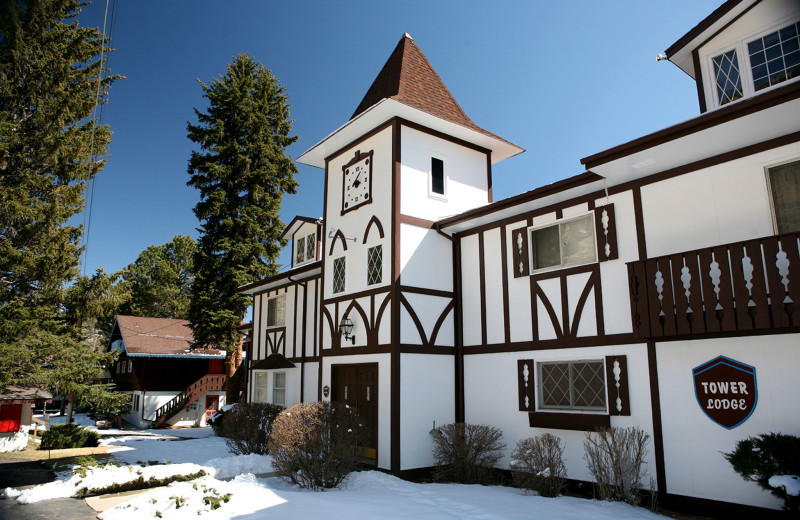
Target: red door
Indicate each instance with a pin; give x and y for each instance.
(212, 405)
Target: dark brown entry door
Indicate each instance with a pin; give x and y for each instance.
(357, 386)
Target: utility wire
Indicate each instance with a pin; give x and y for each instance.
(87, 211)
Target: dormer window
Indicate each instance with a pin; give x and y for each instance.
(305, 249)
(775, 57)
(727, 77)
(753, 64)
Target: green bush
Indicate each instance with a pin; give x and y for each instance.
(65, 436)
(316, 445)
(467, 453)
(768, 455)
(537, 463)
(247, 427)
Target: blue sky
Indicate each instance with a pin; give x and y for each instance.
(563, 80)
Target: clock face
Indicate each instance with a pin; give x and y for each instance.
(357, 181)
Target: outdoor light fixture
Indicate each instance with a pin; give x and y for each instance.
(346, 327)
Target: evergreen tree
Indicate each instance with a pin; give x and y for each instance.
(242, 172)
(49, 69)
(160, 280)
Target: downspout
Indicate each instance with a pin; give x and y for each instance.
(144, 386)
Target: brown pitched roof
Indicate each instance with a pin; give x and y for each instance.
(160, 337)
(16, 393)
(408, 77)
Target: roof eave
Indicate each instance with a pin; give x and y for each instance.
(387, 109)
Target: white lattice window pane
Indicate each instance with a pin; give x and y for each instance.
(588, 385)
(300, 250)
(279, 388)
(260, 385)
(338, 275)
(555, 385)
(785, 184)
(374, 265)
(572, 385)
(577, 241)
(727, 77)
(311, 247)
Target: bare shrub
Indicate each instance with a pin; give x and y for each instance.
(615, 457)
(537, 463)
(247, 427)
(316, 445)
(466, 453)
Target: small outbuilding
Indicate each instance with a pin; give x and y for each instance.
(16, 413)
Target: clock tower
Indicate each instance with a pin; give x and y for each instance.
(408, 157)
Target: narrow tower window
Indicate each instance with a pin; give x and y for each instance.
(437, 176)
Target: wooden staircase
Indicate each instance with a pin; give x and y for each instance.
(207, 383)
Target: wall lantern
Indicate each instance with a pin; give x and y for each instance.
(346, 327)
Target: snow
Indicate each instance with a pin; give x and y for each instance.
(790, 483)
(253, 494)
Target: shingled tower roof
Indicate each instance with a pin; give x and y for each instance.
(409, 78)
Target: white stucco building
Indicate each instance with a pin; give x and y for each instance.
(659, 289)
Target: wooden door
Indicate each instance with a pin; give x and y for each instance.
(212, 405)
(357, 386)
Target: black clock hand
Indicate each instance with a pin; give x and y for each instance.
(356, 182)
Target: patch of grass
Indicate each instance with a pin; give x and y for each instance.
(139, 483)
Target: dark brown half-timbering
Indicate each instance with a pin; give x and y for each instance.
(519, 252)
(527, 392)
(568, 421)
(619, 402)
(605, 233)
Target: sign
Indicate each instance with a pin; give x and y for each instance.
(726, 391)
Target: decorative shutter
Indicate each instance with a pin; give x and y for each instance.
(519, 252)
(619, 402)
(606, 233)
(525, 368)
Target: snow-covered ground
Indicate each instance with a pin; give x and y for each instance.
(247, 494)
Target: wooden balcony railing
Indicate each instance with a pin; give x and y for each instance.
(745, 286)
(207, 383)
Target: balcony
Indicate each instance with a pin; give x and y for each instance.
(748, 286)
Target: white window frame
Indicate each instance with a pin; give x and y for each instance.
(569, 409)
(366, 264)
(278, 322)
(559, 223)
(257, 376)
(432, 194)
(275, 388)
(306, 259)
(743, 57)
(773, 212)
(333, 274)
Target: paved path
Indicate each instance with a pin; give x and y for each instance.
(22, 474)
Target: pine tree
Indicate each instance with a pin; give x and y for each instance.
(49, 68)
(242, 172)
(160, 280)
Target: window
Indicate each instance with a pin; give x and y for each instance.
(437, 176)
(784, 182)
(311, 247)
(300, 250)
(260, 387)
(279, 388)
(775, 57)
(338, 274)
(305, 249)
(276, 311)
(374, 265)
(727, 77)
(572, 385)
(566, 243)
